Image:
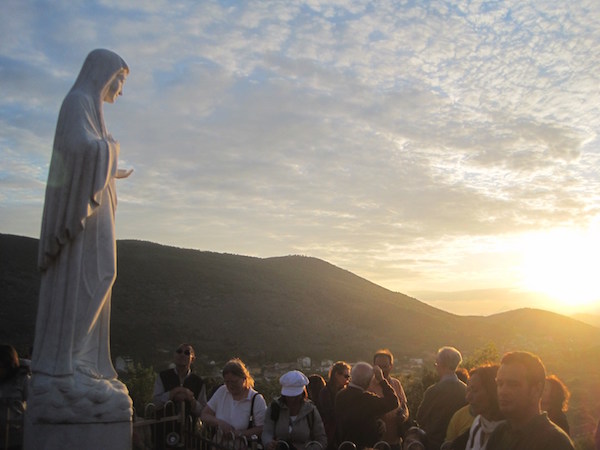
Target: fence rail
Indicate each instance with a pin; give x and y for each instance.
(11, 422)
(169, 427)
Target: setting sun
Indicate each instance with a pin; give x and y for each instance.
(563, 264)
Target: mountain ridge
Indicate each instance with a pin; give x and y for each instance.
(269, 309)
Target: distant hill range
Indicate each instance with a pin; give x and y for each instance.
(272, 309)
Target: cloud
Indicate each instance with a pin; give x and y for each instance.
(401, 141)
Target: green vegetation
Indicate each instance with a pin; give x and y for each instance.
(485, 355)
(140, 382)
(273, 309)
(277, 309)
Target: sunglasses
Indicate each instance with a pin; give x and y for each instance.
(186, 352)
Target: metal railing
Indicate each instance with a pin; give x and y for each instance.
(11, 424)
(168, 427)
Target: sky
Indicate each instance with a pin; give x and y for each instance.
(448, 150)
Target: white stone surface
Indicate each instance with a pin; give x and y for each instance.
(102, 436)
(75, 400)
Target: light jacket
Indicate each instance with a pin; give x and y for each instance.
(306, 427)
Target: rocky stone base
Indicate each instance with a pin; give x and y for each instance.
(77, 398)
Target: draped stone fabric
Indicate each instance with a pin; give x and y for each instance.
(77, 249)
(73, 379)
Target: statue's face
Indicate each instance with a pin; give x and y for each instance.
(116, 87)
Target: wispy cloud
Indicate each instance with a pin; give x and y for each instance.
(406, 142)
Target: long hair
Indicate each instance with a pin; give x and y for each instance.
(315, 384)
(487, 375)
(338, 367)
(559, 393)
(9, 359)
(237, 367)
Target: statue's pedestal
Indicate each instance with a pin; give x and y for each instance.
(77, 412)
(88, 436)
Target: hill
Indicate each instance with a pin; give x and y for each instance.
(591, 319)
(269, 309)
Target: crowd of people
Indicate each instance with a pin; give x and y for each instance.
(508, 406)
(513, 405)
(14, 382)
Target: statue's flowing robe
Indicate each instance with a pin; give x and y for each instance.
(77, 249)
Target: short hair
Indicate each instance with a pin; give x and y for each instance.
(535, 371)
(236, 367)
(449, 357)
(338, 367)
(185, 344)
(559, 393)
(362, 373)
(384, 352)
(487, 375)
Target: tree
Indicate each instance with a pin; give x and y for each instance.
(140, 382)
(484, 355)
(415, 386)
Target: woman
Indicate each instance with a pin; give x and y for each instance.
(236, 409)
(292, 417)
(77, 252)
(315, 383)
(13, 396)
(555, 401)
(483, 400)
(339, 377)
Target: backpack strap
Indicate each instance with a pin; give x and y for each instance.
(274, 411)
(311, 421)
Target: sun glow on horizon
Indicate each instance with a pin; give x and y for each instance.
(563, 264)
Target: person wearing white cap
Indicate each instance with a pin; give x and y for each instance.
(293, 418)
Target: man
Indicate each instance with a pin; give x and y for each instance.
(357, 411)
(443, 399)
(384, 359)
(181, 386)
(520, 383)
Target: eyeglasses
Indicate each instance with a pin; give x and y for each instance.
(186, 352)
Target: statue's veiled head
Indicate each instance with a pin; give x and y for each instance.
(98, 73)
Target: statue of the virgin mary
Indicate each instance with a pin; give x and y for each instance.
(77, 255)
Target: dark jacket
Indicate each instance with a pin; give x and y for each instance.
(439, 403)
(357, 412)
(326, 405)
(193, 382)
(538, 434)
